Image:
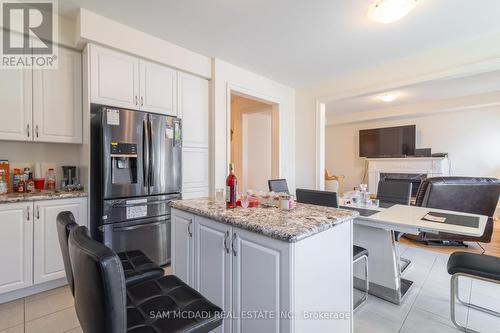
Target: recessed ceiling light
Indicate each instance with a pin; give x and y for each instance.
(388, 96)
(387, 11)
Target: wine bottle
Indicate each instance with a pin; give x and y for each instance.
(231, 188)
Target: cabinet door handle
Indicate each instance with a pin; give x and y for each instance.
(27, 213)
(226, 238)
(38, 212)
(36, 131)
(136, 100)
(190, 233)
(142, 101)
(232, 244)
(28, 130)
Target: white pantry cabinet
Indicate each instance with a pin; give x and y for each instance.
(29, 246)
(193, 108)
(43, 105)
(16, 246)
(57, 100)
(48, 263)
(121, 80)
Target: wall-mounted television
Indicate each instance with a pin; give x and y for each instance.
(387, 142)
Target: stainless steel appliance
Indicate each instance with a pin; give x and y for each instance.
(135, 173)
(69, 175)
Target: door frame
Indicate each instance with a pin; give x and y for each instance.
(276, 128)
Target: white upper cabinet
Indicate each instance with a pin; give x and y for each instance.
(193, 108)
(114, 78)
(57, 100)
(16, 246)
(48, 263)
(158, 86)
(16, 97)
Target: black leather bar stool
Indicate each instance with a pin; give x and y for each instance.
(104, 304)
(475, 266)
(136, 265)
(329, 199)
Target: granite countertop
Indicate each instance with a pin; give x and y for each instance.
(289, 226)
(43, 195)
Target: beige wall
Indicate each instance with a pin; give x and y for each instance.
(471, 137)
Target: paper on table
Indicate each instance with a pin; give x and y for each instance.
(433, 218)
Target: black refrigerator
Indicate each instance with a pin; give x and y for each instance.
(135, 173)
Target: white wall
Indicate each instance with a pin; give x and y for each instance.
(227, 77)
(471, 137)
(256, 149)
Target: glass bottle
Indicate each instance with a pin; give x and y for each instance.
(16, 179)
(51, 179)
(231, 188)
(3, 182)
(30, 184)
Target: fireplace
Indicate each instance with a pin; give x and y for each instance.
(414, 178)
(414, 169)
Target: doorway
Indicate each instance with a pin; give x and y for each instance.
(254, 134)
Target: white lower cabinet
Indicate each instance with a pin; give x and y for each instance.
(29, 246)
(183, 246)
(243, 273)
(48, 262)
(212, 264)
(16, 246)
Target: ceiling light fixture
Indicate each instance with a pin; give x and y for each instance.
(389, 96)
(387, 11)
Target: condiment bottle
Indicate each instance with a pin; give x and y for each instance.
(3, 182)
(21, 185)
(30, 185)
(51, 180)
(16, 178)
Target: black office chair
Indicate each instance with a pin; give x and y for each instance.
(136, 265)
(278, 185)
(329, 199)
(395, 191)
(474, 266)
(104, 304)
(319, 198)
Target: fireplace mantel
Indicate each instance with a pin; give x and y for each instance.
(430, 166)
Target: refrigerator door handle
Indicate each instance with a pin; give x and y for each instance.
(139, 226)
(145, 153)
(152, 157)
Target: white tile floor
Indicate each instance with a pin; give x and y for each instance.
(427, 307)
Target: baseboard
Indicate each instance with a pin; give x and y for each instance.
(16, 294)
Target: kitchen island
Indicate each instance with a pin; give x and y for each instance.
(270, 270)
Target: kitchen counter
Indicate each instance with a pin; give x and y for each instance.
(289, 226)
(43, 195)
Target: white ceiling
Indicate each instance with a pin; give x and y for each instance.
(429, 91)
(298, 42)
